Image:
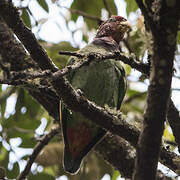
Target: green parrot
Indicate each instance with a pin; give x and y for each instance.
(103, 82)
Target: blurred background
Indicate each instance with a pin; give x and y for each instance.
(69, 25)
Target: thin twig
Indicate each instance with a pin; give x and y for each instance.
(131, 98)
(45, 140)
(88, 16)
(107, 7)
(142, 67)
(5, 94)
(30, 12)
(69, 53)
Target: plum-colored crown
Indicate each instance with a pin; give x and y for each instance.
(119, 18)
(114, 28)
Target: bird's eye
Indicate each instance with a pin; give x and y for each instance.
(112, 20)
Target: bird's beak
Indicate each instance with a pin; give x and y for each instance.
(126, 25)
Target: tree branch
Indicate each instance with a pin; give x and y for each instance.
(25, 75)
(149, 19)
(25, 35)
(44, 141)
(85, 15)
(135, 96)
(174, 121)
(87, 58)
(13, 53)
(142, 7)
(120, 127)
(158, 95)
(129, 132)
(107, 7)
(5, 94)
(121, 155)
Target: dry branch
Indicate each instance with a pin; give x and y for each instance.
(37, 149)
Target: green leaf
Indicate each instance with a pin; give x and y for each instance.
(127, 69)
(167, 135)
(43, 4)
(136, 43)
(131, 6)
(23, 124)
(26, 18)
(115, 175)
(53, 52)
(3, 107)
(28, 142)
(14, 172)
(4, 157)
(85, 38)
(94, 8)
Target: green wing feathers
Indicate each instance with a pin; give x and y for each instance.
(101, 82)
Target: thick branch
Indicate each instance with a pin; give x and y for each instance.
(11, 16)
(31, 86)
(13, 53)
(158, 97)
(121, 155)
(142, 7)
(25, 75)
(149, 19)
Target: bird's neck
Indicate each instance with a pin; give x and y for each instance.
(106, 42)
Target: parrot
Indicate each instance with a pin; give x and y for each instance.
(103, 83)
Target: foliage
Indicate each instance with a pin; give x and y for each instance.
(94, 8)
(27, 115)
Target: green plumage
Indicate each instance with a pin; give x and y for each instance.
(101, 82)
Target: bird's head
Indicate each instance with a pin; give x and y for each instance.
(114, 28)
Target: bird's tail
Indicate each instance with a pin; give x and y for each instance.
(70, 164)
(73, 158)
(78, 140)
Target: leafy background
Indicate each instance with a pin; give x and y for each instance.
(23, 121)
